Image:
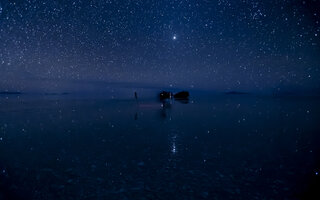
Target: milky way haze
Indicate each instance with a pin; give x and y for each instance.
(248, 45)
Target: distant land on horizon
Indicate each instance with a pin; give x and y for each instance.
(236, 93)
(192, 91)
(6, 92)
(121, 89)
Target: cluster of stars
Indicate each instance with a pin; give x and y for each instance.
(223, 44)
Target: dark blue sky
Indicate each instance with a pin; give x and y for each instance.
(209, 44)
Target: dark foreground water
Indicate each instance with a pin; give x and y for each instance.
(219, 147)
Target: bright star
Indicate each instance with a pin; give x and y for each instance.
(174, 37)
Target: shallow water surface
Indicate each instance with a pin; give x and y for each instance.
(217, 147)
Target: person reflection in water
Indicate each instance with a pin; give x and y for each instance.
(136, 116)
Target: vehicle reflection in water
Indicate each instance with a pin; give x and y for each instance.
(166, 106)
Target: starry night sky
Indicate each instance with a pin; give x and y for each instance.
(247, 45)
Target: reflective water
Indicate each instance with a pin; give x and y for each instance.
(218, 147)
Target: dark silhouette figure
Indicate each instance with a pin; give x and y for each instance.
(165, 95)
(136, 95)
(182, 95)
(137, 106)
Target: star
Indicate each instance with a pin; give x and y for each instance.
(174, 37)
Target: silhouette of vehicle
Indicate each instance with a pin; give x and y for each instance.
(165, 95)
(182, 95)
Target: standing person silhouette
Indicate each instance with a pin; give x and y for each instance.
(137, 106)
(136, 95)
